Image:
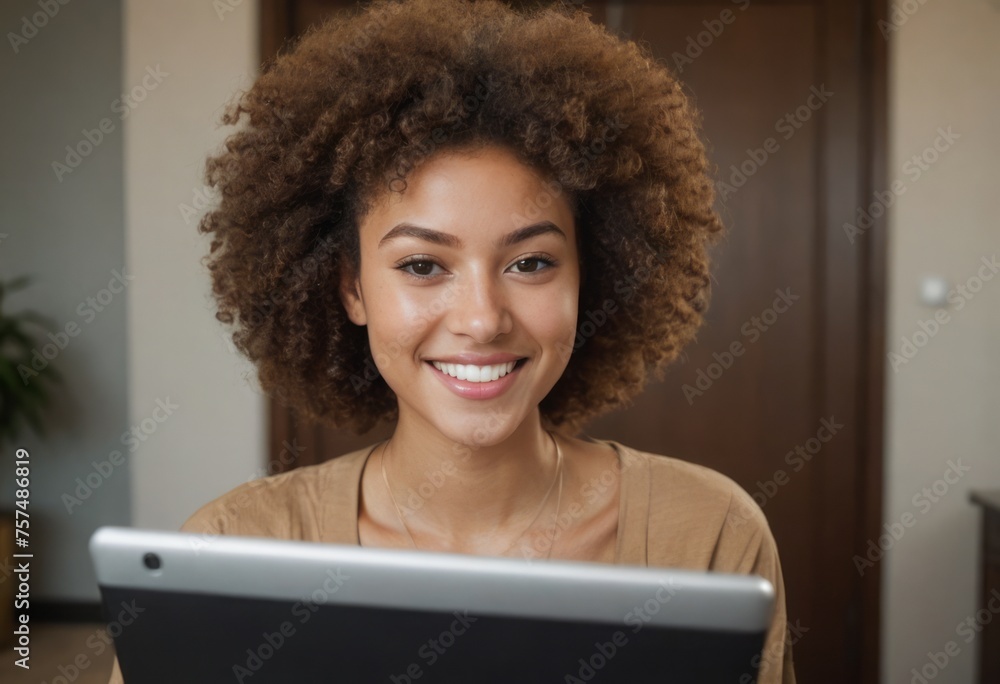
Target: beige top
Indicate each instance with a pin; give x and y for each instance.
(672, 513)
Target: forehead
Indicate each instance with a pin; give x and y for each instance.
(485, 190)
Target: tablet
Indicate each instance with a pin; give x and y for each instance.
(184, 608)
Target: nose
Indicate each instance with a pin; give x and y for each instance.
(480, 309)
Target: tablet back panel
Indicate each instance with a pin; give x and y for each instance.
(263, 610)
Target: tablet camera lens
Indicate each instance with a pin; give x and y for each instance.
(151, 561)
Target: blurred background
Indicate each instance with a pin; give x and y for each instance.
(848, 376)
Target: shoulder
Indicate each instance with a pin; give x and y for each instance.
(284, 505)
(699, 518)
(674, 475)
(674, 482)
(696, 515)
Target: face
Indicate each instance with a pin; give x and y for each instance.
(456, 280)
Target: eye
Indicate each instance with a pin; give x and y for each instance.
(534, 260)
(422, 267)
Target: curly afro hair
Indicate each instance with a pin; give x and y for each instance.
(344, 115)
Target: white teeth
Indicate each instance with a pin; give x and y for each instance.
(475, 373)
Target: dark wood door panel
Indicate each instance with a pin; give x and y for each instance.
(759, 333)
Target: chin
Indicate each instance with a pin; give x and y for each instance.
(477, 430)
(489, 430)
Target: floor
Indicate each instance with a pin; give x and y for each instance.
(61, 653)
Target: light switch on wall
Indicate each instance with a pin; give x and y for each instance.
(934, 291)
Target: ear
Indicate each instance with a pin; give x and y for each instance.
(350, 295)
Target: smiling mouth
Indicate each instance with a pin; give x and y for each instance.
(479, 374)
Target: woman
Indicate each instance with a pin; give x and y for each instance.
(487, 228)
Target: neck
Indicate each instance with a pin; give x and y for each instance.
(467, 494)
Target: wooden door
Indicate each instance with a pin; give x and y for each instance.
(783, 389)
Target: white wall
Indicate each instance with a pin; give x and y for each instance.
(215, 438)
(944, 403)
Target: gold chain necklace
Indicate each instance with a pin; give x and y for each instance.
(558, 476)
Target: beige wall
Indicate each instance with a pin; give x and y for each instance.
(214, 439)
(944, 402)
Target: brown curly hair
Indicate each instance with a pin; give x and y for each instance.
(357, 103)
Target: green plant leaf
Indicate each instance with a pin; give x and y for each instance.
(15, 284)
(20, 401)
(44, 322)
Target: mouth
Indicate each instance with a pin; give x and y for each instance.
(477, 374)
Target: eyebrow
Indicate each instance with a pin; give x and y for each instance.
(449, 240)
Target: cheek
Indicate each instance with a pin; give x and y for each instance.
(399, 316)
(552, 318)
